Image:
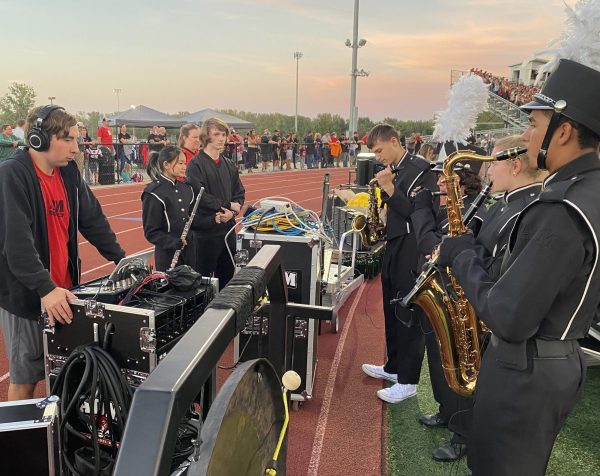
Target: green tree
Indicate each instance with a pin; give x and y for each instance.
(17, 102)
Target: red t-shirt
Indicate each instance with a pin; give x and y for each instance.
(105, 136)
(57, 220)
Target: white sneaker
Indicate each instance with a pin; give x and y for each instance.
(397, 392)
(376, 371)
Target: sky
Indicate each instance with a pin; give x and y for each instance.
(186, 55)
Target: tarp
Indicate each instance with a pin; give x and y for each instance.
(143, 116)
(199, 117)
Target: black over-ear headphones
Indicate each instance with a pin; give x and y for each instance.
(37, 138)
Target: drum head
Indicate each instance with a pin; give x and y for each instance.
(242, 427)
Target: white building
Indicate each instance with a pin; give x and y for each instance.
(526, 71)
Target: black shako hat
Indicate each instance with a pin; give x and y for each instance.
(576, 89)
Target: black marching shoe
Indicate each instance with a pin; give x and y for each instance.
(450, 452)
(433, 421)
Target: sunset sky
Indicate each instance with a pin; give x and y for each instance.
(187, 55)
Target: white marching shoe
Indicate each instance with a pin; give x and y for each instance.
(376, 371)
(397, 392)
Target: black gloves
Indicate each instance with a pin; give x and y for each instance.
(423, 199)
(451, 247)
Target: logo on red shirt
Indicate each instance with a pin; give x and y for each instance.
(57, 208)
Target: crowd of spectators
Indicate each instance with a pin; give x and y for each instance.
(251, 152)
(517, 93)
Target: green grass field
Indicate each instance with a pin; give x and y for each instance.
(576, 452)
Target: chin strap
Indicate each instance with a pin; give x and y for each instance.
(559, 107)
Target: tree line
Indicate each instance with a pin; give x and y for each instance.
(21, 98)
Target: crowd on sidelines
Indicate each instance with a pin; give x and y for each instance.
(122, 158)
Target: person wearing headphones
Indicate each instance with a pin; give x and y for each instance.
(44, 203)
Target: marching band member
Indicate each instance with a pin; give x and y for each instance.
(519, 179)
(166, 204)
(404, 339)
(548, 290)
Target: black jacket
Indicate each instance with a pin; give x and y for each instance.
(412, 172)
(222, 185)
(24, 251)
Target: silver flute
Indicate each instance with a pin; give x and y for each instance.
(186, 228)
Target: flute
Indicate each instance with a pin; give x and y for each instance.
(186, 228)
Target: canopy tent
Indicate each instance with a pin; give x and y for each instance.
(199, 117)
(143, 116)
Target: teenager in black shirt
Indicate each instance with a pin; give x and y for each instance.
(223, 198)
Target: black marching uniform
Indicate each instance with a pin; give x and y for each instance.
(491, 241)
(222, 185)
(404, 338)
(544, 300)
(166, 206)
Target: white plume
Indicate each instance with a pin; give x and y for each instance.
(580, 40)
(466, 100)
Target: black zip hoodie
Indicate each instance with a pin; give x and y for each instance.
(24, 249)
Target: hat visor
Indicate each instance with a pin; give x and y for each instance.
(537, 104)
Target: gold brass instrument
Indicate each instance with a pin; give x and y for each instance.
(370, 226)
(443, 300)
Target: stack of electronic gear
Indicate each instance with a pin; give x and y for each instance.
(151, 323)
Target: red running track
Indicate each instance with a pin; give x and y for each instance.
(340, 430)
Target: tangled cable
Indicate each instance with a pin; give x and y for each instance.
(91, 376)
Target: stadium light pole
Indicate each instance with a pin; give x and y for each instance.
(297, 56)
(117, 91)
(51, 99)
(355, 44)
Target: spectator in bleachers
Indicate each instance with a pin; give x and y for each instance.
(517, 93)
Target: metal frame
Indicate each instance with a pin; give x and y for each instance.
(162, 400)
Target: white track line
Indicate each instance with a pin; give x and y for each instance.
(317, 448)
(4, 377)
(110, 262)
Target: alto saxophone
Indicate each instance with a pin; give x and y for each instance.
(370, 227)
(443, 300)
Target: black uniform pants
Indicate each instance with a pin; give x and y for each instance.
(518, 413)
(453, 408)
(404, 337)
(213, 259)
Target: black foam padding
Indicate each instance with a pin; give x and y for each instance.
(241, 294)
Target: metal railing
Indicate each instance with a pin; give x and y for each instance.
(162, 401)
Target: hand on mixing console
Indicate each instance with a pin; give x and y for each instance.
(56, 304)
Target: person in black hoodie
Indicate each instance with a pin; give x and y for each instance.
(223, 198)
(44, 203)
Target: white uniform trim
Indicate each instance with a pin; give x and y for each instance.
(164, 211)
(414, 182)
(587, 285)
